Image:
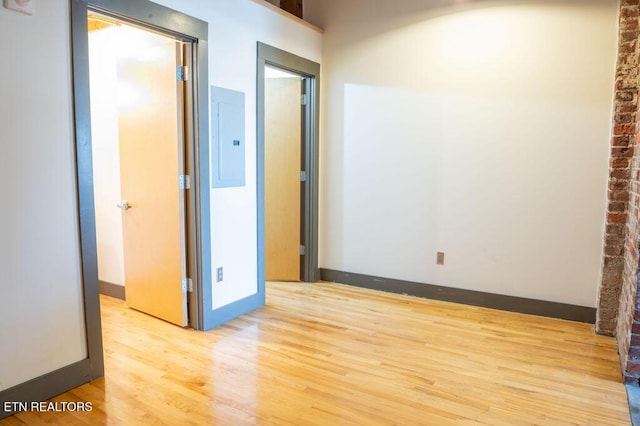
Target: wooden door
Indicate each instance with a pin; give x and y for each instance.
(150, 131)
(282, 178)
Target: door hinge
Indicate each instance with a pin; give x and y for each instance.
(182, 73)
(184, 181)
(303, 176)
(303, 250)
(187, 285)
(303, 100)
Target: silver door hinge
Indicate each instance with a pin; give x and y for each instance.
(187, 285)
(184, 181)
(182, 73)
(303, 100)
(303, 176)
(303, 250)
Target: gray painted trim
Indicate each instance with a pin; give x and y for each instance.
(47, 386)
(84, 182)
(201, 254)
(197, 163)
(152, 16)
(466, 297)
(155, 17)
(269, 55)
(112, 290)
(633, 396)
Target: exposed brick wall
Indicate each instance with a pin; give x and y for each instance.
(628, 323)
(618, 310)
(616, 247)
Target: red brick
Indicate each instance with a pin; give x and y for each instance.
(620, 174)
(614, 251)
(617, 303)
(617, 207)
(624, 118)
(631, 24)
(629, 12)
(622, 152)
(619, 163)
(621, 141)
(614, 241)
(628, 36)
(619, 185)
(616, 217)
(629, 108)
(624, 129)
(615, 229)
(625, 95)
(633, 367)
(634, 352)
(613, 261)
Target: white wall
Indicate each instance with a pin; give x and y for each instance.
(234, 29)
(103, 61)
(480, 130)
(41, 305)
(41, 309)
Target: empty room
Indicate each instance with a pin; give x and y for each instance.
(320, 212)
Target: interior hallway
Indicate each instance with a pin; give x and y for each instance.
(326, 354)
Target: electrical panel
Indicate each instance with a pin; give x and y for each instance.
(228, 138)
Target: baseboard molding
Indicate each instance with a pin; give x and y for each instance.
(113, 290)
(466, 297)
(633, 397)
(46, 386)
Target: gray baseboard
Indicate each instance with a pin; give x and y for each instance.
(113, 290)
(633, 396)
(46, 386)
(466, 297)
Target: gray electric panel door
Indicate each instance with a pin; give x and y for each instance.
(228, 141)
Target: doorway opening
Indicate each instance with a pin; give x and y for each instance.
(176, 44)
(138, 116)
(284, 182)
(287, 99)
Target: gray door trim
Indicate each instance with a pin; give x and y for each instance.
(154, 17)
(310, 71)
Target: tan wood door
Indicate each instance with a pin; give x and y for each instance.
(151, 150)
(282, 178)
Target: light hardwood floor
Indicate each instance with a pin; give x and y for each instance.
(328, 354)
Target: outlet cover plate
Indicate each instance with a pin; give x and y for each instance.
(28, 7)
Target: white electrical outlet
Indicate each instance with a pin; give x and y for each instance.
(28, 7)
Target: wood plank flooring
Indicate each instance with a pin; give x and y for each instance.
(328, 354)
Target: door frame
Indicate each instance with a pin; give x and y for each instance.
(157, 18)
(310, 72)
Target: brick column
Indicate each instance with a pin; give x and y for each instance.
(618, 309)
(622, 149)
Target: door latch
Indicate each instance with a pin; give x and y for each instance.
(123, 205)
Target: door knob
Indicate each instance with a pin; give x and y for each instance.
(124, 205)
